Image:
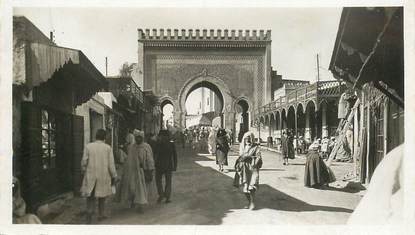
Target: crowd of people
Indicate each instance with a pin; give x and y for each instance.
(291, 145)
(317, 174)
(134, 175)
(201, 138)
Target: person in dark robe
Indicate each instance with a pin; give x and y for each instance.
(222, 149)
(181, 138)
(284, 147)
(166, 163)
(152, 141)
(316, 174)
(289, 145)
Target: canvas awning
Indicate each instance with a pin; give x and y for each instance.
(369, 48)
(37, 63)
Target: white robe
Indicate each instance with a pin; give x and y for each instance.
(99, 167)
(133, 185)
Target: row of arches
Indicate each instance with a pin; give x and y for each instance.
(310, 121)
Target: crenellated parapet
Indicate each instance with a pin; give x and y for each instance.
(203, 35)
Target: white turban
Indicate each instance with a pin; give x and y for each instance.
(242, 144)
(137, 132)
(314, 146)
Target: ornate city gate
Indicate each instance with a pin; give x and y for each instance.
(235, 65)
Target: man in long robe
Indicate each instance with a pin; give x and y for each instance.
(99, 173)
(138, 169)
(247, 168)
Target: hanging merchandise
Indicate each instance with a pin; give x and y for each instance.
(341, 142)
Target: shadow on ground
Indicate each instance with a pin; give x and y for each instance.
(350, 187)
(203, 196)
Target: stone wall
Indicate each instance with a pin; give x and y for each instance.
(204, 34)
(238, 65)
(96, 103)
(166, 73)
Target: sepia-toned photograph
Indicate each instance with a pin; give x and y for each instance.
(208, 116)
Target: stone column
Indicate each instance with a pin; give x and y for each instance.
(324, 131)
(236, 124)
(179, 118)
(278, 126)
(307, 132)
(296, 123)
(229, 120)
(284, 122)
(259, 127)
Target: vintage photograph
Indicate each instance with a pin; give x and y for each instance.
(208, 116)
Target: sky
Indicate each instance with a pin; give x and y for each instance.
(298, 34)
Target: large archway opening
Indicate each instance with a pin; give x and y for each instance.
(204, 105)
(331, 116)
(291, 119)
(283, 119)
(242, 118)
(272, 125)
(278, 124)
(300, 120)
(311, 122)
(168, 114)
(266, 128)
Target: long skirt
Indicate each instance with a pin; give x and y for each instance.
(290, 152)
(152, 194)
(221, 157)
(316, 172)
(133, 187)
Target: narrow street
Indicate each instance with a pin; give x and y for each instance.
(79, 126)
(204, 196)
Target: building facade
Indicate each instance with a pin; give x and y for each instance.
(309, 110)
(49, 82)
(374, 66)
(235, 65)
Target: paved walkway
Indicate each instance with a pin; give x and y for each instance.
(204, 196)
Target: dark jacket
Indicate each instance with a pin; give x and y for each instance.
(165, 156)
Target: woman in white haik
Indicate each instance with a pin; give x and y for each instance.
(212, 140)
(247, 168)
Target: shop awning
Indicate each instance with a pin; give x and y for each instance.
(369, 48)
(43, 62)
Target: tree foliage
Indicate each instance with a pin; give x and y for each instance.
(126, 70)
